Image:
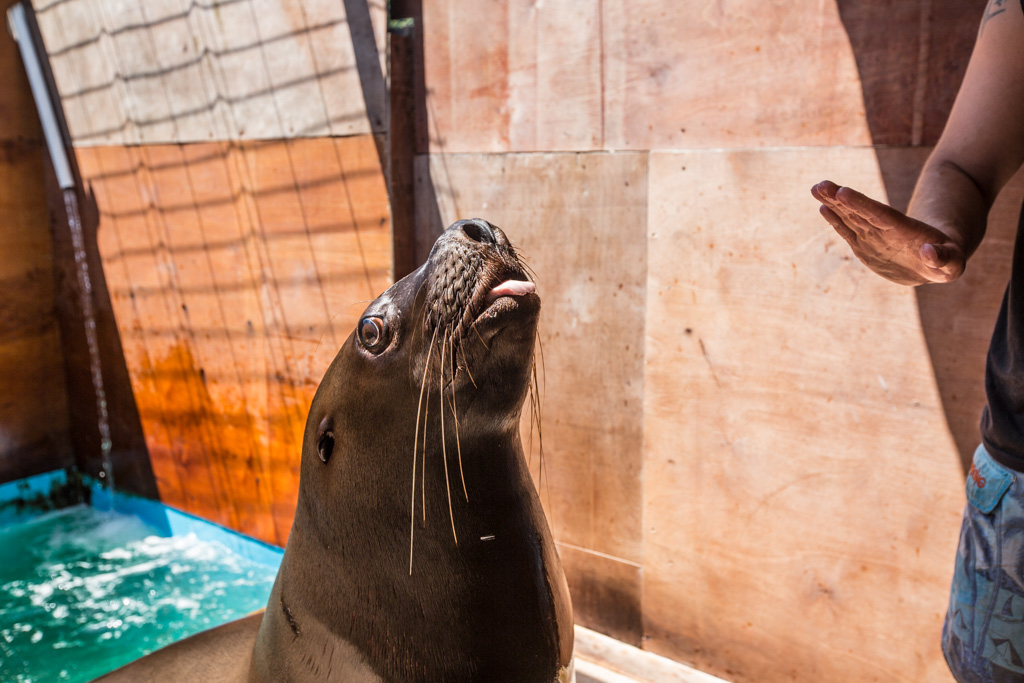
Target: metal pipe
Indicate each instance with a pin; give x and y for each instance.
(18, 26)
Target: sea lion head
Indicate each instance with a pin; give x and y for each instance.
(461, 326)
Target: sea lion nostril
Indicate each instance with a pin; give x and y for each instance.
(478, 231)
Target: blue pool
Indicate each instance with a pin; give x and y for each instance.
(86, 588)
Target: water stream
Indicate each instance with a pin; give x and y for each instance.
(89, 315)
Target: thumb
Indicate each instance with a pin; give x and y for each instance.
(935, 255)
(946, 258)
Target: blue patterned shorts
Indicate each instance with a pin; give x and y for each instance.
(983, 637)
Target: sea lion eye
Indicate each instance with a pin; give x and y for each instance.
(372, 333)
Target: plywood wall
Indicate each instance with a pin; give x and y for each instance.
(784, 503)
(33, 402)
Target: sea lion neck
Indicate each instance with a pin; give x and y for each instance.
(488, 589)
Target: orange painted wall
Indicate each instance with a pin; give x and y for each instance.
(235, 271)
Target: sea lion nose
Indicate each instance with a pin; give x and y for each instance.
(478, 230)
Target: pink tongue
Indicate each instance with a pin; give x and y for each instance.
(511, 288)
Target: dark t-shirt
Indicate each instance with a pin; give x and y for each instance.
(1002, 421)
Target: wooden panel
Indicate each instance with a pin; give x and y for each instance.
(33, 407)
(235, 272)
(529, 76)
(17, 109)
(736, 74)
(951, 34)
(802, 491)
(180, 71)
(638, 75)
(33, 402)
(910, 71)
(605, 592)
(579, 220)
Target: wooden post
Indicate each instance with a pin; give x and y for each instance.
(402, 147)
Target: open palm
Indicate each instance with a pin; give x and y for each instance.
(892, 244)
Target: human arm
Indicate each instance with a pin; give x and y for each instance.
(980, 149)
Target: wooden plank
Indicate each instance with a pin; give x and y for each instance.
(606, 592)
(402, 148)
(802, 491)
(33, 404)
(579, 221)
(33, 401)
(513, 76)
(26, 253)
(235, 272)
(17, 108)
(951, 32)
(527, 76)
(179, 71)
(618, 662)
(566, 76)
(910, 72)
(466, 76)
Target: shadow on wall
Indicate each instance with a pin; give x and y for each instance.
(910, 74)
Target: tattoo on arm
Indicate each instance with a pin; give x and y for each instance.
(995, 8)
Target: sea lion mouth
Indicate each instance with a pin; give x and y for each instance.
(473, 283)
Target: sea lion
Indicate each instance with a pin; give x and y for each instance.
(419, 550)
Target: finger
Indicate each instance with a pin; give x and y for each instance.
(824, 189)
(853, 220)
(841, 212)
(852, 217)
(837, 224)
(875, 212)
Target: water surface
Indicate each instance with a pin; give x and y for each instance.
(83, 592)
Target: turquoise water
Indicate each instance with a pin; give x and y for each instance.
(83, 592)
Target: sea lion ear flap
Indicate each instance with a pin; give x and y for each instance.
(325, 439)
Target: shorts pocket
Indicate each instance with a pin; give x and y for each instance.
(987, 482)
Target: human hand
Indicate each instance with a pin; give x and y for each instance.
(897, 247)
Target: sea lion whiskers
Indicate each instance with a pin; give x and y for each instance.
(535, 397)
(444, 447)
(480, 337)
(465, 364)
(415, 445)
(455, 415)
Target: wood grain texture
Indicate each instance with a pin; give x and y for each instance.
(578, 219)
(235, 272)
(181, 71)
(802, 490)
(20, 122)
(529, 76)
(33, 401)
